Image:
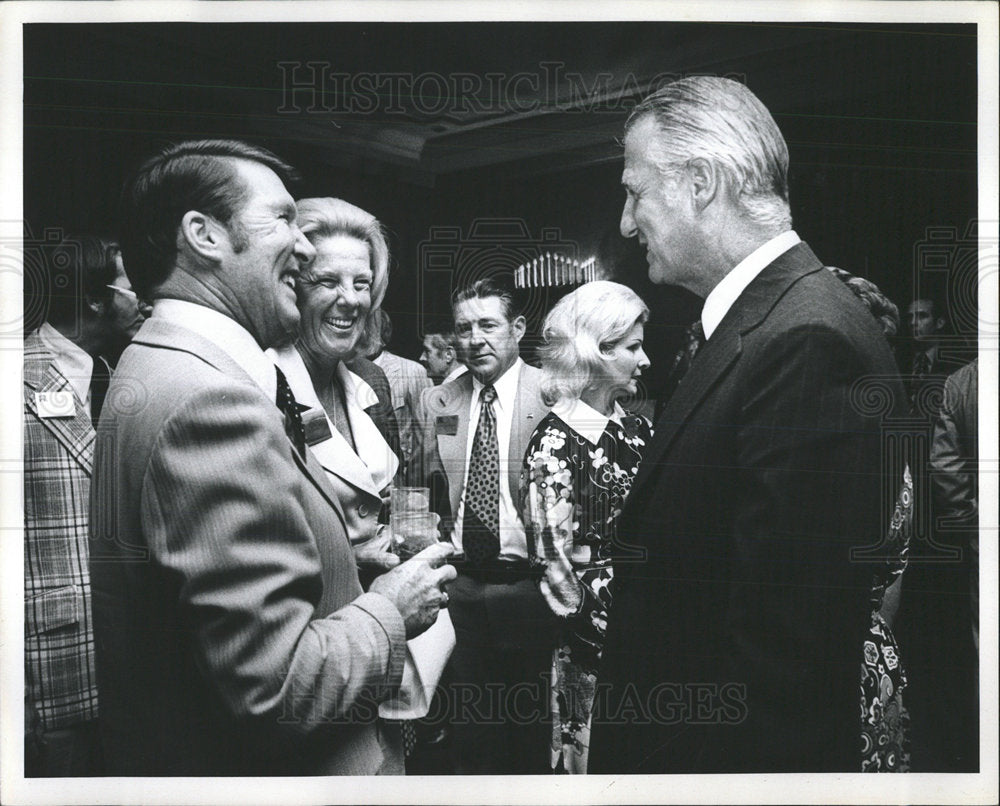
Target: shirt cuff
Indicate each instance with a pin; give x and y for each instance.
(385, 613)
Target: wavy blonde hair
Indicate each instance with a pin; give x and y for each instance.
(577, 330)
(328, 218)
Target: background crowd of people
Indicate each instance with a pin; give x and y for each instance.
(720, 582)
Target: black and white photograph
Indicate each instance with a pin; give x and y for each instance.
(468, 403)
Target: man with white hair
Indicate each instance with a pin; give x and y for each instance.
(733, 642)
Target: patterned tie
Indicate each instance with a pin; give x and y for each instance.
(921, 365)
(481, 523)
(285, 401)
(693, 340)
(99, 380)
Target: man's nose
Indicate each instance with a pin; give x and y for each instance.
(304, 250)
(627, 224)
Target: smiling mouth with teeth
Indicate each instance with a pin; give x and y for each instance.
(342, 324)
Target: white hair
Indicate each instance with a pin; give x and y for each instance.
(720, 120)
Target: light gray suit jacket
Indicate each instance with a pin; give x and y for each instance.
(444, 432)
(233, 637)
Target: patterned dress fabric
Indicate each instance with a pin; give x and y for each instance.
(884, 719)
(573, 492)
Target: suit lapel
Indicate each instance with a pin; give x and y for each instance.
(711, 363)
(528, 412)
(76, 434)
(452, 400)
(722, 351)
(166, 335)
(339, 458)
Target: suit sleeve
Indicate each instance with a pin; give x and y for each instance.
(953, 483)
(224, 510)
(809, 488)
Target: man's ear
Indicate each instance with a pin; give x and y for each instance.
(97, 306)
(520, 325)
(939, 324)
(706, 181)
(203, 234)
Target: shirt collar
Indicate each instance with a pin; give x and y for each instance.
(72, 361)
(587, 421)
(505, 386)
(226, 334)
(458, 371)
(722, 297)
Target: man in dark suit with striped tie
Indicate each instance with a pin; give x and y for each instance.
(233, 637)
(733, 643)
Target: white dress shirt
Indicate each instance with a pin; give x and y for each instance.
(513, 544)
(75, 364)
(226, 334)
(718, 303)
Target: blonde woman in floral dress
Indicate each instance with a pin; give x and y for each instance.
(578, 470)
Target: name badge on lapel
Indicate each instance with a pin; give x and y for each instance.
(446, 424)
(55, 404)
(316, 427)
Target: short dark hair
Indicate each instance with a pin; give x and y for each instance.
(79, 269)
(442, 339)
(482, 289)
(193, 175)
(938, 310)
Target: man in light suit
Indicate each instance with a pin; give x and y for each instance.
(233, 637)
(65, 381)
(440, 356)
(503, 626)
(407, 380)
(733, 644)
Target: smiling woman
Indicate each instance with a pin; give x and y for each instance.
(338, 294)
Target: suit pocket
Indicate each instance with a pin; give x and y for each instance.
(49, 611)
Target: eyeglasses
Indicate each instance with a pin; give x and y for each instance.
(130, 294)
(126, 292)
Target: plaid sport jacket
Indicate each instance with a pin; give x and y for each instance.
(60, 681)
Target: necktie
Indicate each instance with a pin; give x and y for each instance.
(921, 365)
(481, 522)
(285, 401)
(99, 380)
(693, 340)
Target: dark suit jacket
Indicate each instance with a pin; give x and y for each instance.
(232, 633)
(733, 643)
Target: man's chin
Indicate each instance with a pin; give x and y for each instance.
(287, 334)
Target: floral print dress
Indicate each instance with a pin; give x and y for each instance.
(885, 745)
(579, 467)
